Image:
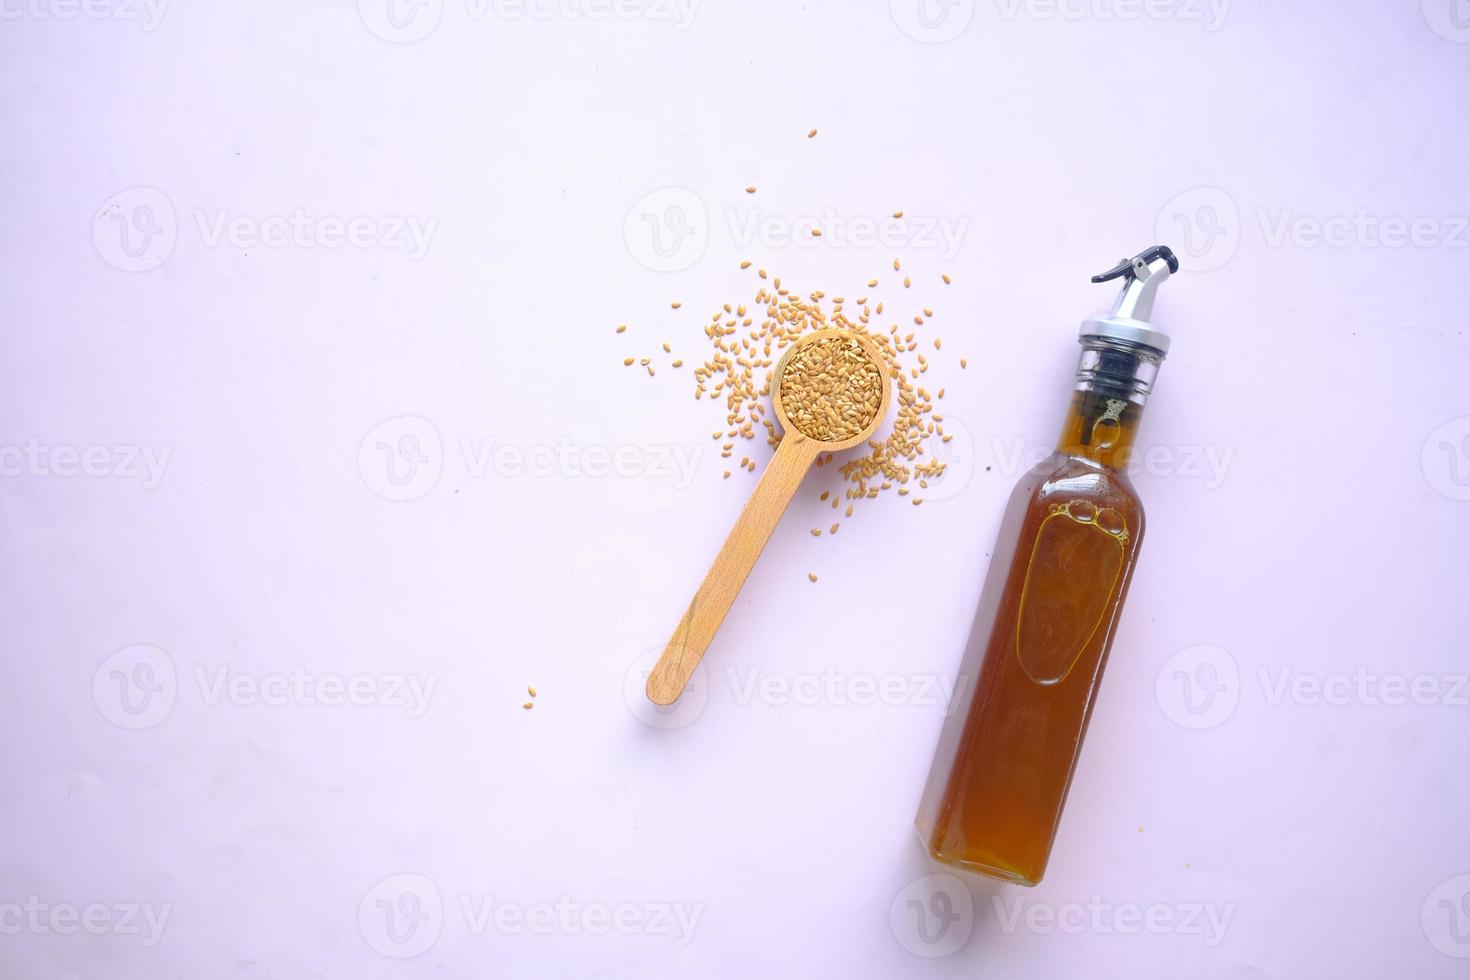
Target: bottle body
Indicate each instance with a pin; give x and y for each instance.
(1043, 627)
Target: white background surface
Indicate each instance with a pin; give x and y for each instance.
(1327, 541)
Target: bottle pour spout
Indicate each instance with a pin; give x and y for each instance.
(1130, 319)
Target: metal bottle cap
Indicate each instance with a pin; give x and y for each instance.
(1129, 320)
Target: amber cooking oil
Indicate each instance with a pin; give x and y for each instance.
(1046, 617)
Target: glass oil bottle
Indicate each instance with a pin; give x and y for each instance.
(1046, 617)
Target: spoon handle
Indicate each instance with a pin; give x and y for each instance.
(722, 582)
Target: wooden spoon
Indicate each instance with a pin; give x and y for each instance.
(753, 528)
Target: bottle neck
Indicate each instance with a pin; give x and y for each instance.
(1114, 378)
(1100, 427)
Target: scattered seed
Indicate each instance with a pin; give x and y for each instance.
(895, 265)
(528, 705)
(745, 264)
(816, 532)
(531, 691)
(750, 189)
(676, 304)
(812, 576)
(898, 214)
(622, 327)
(816, 233)
(964, 363)
(945, 277)
(667, 348)
(740, 373)
(627, 361)
(833, 530)
(811, 134)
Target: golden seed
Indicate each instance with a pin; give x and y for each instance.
(816, 233)
(812, 576)
(811, 134)
(898, 214)
(650, 371)
(816, 532)
(930, 314)
(945, 277)
(895, 265)
(824, 495)
(834, 529)
(531, 691)
(679, 363)
(667, 348)
(622, 327)
(906, 282)
(676, 304)
(964, 363)
(918, 501)
(528, 706)
(750, 189)
(745, 264)
(627, 361)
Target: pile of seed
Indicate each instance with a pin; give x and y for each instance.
(747, 342)
(831, 389)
